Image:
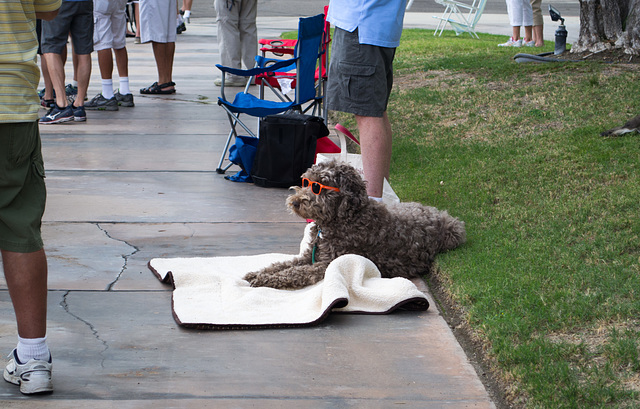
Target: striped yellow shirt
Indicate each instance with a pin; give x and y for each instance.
(19, 73)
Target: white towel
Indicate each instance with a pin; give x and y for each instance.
(210, 292)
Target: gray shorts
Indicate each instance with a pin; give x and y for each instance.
(360, 76)
(158, 21)
(75, 18)
(109, 24)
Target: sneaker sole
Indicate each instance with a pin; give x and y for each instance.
(42, 390)
(109, 108)
(59, 120)
(80, 119)
(126, 104)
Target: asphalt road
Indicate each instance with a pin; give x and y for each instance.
(204, 8)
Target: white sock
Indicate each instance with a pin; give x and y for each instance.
(124, 86)
(107, 88)
(32, 348)
(187, 14)
(74, 83)
(377, 199)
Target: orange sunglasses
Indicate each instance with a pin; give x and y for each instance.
(317, 187)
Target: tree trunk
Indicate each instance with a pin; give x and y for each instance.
(607, 24)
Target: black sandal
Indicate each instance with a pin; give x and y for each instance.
(156, 88)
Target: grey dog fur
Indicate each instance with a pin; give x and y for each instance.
(402, 239)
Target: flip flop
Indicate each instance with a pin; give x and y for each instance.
(156, 88)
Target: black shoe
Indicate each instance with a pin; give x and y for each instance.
(124, 100)
(79, 114)
(58, 115)
(100, 103)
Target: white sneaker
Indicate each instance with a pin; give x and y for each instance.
(529, 43)
(231, 81)
(33, 377)
(512, 43)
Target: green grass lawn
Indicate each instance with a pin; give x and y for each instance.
(549, 280)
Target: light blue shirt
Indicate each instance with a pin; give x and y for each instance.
(379, 22)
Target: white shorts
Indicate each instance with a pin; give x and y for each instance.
(520, 13)
(109, 24)
(158, 21)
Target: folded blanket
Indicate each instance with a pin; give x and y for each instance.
(210, 292)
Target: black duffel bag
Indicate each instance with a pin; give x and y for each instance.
(286, 148)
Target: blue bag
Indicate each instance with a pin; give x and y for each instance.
(242, 153)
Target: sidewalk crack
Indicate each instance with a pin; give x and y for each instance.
(124, 256)
(65, 305)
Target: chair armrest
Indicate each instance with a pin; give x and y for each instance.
(277, 50)
(258, 70)
(278, 42)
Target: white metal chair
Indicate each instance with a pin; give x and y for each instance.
(462, 17)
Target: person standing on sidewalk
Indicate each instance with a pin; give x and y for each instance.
(364, 43)
(76, 18)
(237, 36)
(110, 25)
(23, 192)
(158, 26)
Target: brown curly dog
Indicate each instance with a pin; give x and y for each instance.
(402, 240)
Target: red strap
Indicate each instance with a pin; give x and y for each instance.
(345, 131)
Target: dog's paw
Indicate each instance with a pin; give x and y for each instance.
(258, 280)
(250, 276)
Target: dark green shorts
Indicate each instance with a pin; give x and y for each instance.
(22, 190)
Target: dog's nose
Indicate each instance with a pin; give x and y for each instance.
(295, 203)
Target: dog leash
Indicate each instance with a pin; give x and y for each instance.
(315, 247)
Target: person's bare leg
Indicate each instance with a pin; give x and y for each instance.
(527, 34)
(84, 75)
(515, 33)
(26, 275)
(375, 145)
(63, 55)
(122, 61)
(76, 62)
(105, 63)
(163, 53)
(136, 12)
(56, 73)
(538, 35)
(48, 85)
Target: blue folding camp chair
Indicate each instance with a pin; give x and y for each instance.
(306, 58)
(274, 81)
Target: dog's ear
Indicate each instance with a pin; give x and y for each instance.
(353, 191)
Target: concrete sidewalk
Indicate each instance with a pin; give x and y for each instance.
(140, 183)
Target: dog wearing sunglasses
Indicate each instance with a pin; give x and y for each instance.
(402, 239)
